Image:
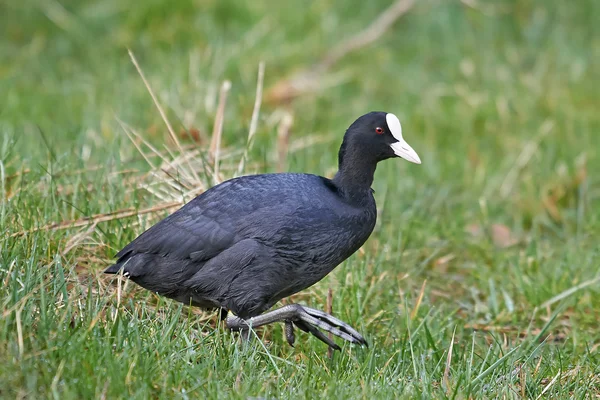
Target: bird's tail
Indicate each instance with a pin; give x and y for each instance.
(114, 269)
(135, 265)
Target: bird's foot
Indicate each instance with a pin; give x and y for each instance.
(307, 319)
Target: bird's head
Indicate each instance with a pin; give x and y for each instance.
(379, 135)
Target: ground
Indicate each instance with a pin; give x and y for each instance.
(481, 279)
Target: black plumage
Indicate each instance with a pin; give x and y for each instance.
(247, 243)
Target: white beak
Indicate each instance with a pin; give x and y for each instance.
(402, 149)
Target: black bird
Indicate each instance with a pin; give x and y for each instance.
(247, 243)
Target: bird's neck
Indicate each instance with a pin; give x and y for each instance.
(355, 175)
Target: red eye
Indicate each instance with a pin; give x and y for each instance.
(379, 130)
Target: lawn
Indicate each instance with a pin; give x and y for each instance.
(481, 280)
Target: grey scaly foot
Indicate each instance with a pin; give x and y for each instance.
(306, 318)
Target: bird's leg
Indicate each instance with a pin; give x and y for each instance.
(223, 314)
(244, 332)
(305, 318)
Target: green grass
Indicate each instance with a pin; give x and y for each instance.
(500, 101)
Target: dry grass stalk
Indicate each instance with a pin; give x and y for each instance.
(159, 107)
(175, 171)
(283, 140)
(364, 38)
(97, 218)
(254, 119)
(329, 310)
(415, 310)
(78, 238)
(446, 376)
(313, 78)
(549, 385)
(215, 144)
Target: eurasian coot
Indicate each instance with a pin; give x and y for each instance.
(247, 243)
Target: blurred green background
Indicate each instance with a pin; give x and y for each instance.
(480, 281)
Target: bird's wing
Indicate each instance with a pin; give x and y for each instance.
(262, 207)
(191, 232)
